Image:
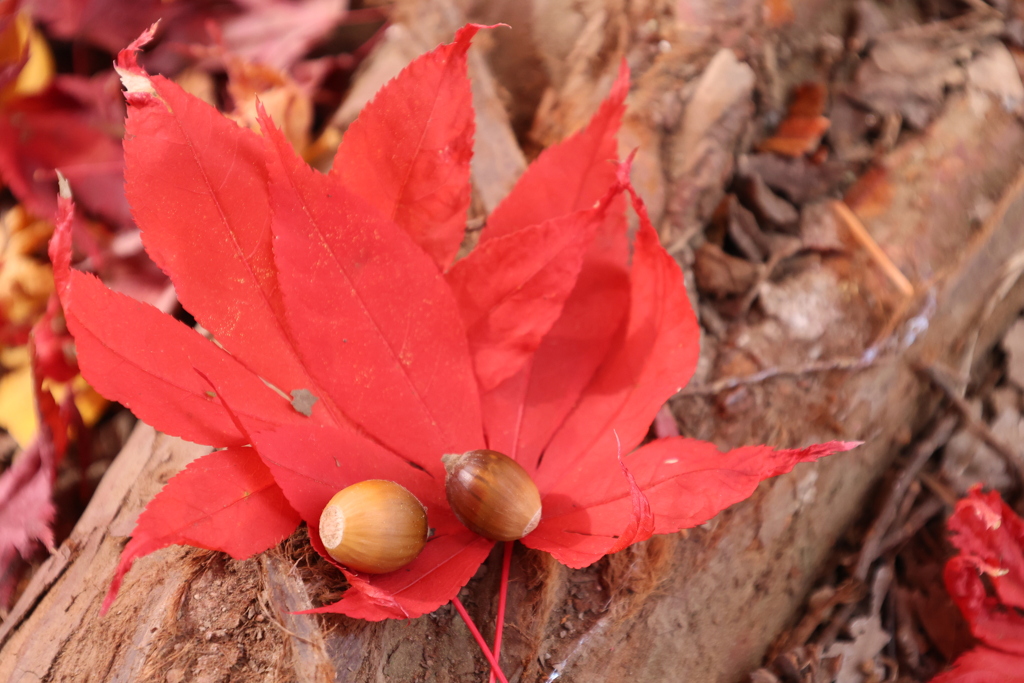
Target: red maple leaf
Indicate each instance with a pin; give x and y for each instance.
(990, 538)
(26, 487)
(68, 126)
(549, 342)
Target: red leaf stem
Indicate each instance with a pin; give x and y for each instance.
(495, 669)
(506, 560)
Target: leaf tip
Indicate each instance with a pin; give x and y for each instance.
(128, 58)
(128, 557)
(133, 77)
(60, 244)
(63, 188)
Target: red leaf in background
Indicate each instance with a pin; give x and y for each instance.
(279, 32)
(408, 152)
(333, 284)
(108, 24)
(211, 504)
(989, 534)
(982, 665)
(26, 510)
(990, 538)
(68, 128)
(50, 341)
(26, 487)
(992, 621)
(274, 32)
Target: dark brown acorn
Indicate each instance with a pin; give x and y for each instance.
(375, 526)
(492, 494)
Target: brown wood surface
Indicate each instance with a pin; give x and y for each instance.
(701, 605)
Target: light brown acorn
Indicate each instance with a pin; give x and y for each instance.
(375, 526)
(491, 494)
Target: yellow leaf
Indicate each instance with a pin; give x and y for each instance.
(14, 357)
(37, 73)
(287, 104)
(17, 405)
(26, 279)
(89, 403)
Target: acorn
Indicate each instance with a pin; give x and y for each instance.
(491, 494)
(375, 526)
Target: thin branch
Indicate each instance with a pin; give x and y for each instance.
(873, 544)
(1008, 455)
(861, 234)
(727, 383)
(918, 518)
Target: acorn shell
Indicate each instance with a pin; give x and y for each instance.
(375, 526)
(492, 494)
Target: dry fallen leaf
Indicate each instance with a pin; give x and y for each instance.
(859, 655)
(801, 131)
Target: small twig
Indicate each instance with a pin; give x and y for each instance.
(479, 640)
(1011, 273)
(880, 586)
(871, 548)
(922, 452)
(893, 320)
(727, 383)
(918, 518)
(939, 489)
(861, 234)
(908, 503)
(764, 271)
(845, 593)
(977, 427)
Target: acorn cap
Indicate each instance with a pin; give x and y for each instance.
(492, 494)
(375, 526)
